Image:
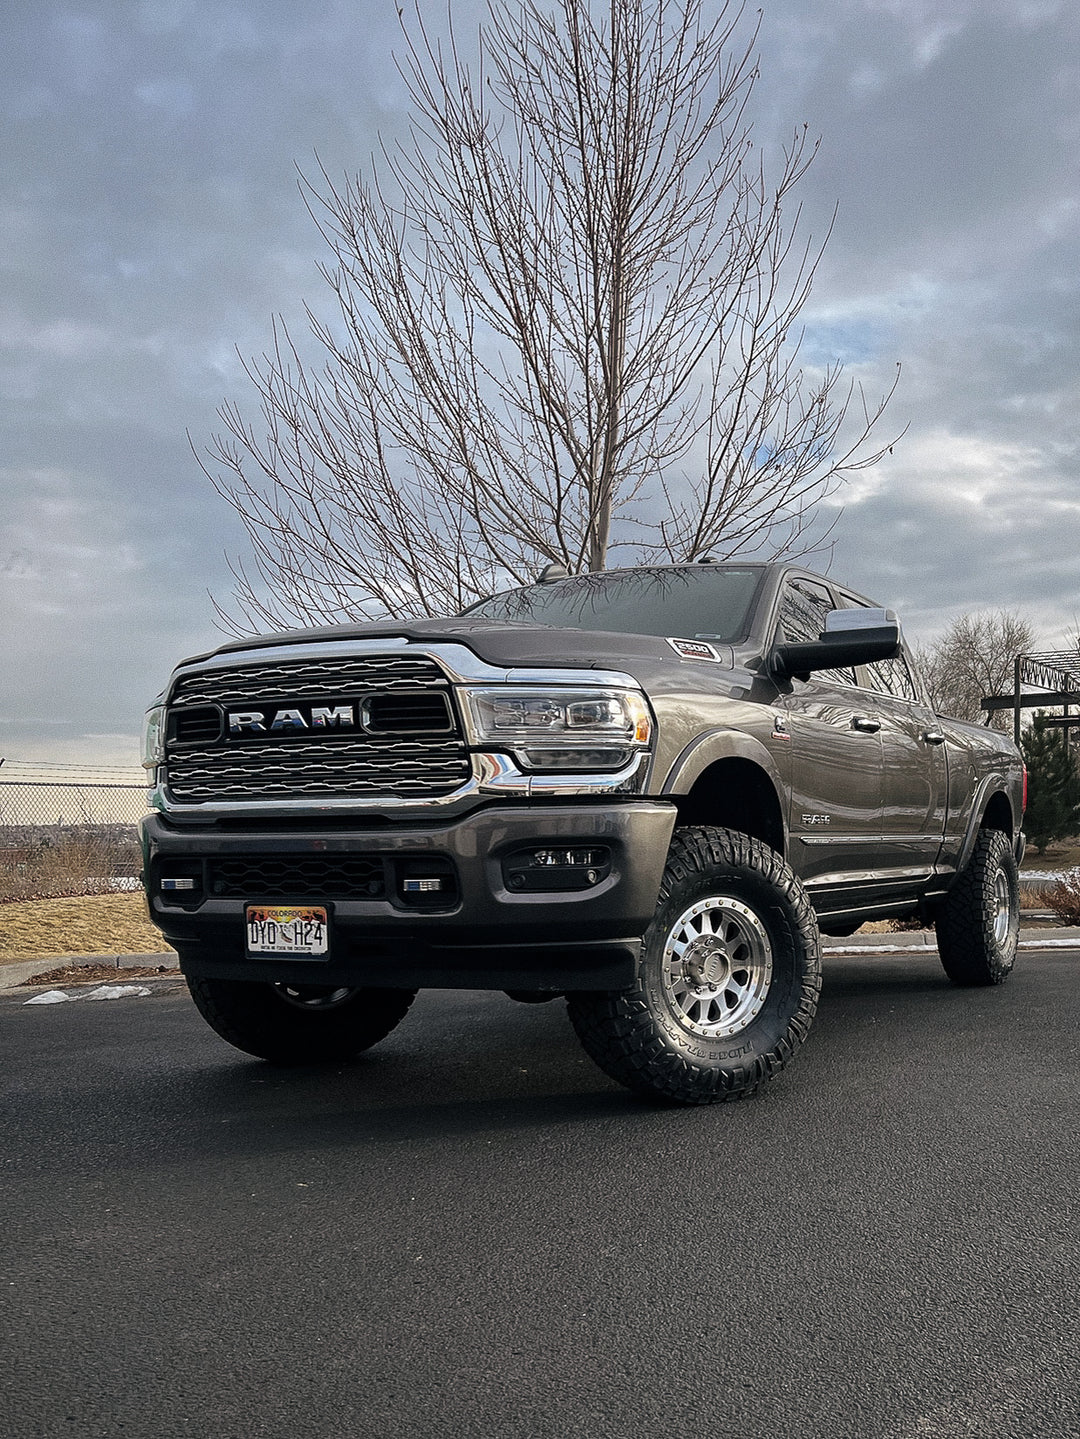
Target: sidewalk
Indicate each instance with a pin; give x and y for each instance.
(909, 942)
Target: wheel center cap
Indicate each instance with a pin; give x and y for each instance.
(707, 962)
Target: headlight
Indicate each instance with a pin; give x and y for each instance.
(153, 747)
(556, 729)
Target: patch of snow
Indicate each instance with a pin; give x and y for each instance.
(119, 991)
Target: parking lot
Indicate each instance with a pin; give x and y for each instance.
(473, 1232)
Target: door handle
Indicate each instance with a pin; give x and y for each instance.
(865, 724)
(933, 736)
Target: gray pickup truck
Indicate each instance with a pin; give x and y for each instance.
(648, 790)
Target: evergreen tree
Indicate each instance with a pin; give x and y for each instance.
(1053, 809)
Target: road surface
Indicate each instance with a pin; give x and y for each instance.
(472, 1232)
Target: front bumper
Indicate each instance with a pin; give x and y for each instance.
(486, 936)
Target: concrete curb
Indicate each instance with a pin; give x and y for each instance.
(901, 942)
(12, 975)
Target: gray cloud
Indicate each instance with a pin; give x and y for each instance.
(150, 225)
(949, 136)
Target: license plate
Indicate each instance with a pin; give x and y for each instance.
(288, 930)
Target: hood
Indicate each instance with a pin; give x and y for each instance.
(493, 641)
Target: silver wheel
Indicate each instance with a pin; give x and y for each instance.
(728, 981)
(314, 996)
(718, 965)
(1003, 907)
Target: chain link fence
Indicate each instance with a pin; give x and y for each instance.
(68, 829)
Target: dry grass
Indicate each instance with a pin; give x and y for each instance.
(894, 926)
(1061, 855)
(90, 924)
(82, 864)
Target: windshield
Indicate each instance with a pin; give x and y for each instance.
(711, 602)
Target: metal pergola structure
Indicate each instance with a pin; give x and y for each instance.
(1055, 675)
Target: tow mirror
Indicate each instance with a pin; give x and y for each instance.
(850, 637)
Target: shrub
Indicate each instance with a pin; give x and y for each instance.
(85, 860)
(1063, 897)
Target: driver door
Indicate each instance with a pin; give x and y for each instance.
(837, 766)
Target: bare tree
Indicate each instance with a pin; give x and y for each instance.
(569, 330)
(973, 658)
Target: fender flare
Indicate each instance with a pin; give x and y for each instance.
(990, 785)
(707, 749)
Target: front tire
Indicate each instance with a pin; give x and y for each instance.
(978, 926)
(299, 1024)
(729, 978)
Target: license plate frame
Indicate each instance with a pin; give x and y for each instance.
(287, 931)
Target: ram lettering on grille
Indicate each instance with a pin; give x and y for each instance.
(223, 743)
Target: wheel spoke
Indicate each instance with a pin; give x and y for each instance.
(733, 997)
(717, 966)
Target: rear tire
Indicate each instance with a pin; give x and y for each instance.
(299, 1024)
(729, 977)
(978, 926)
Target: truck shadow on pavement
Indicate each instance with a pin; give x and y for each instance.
(846, 976)
(475, 1071)
(465, 1066)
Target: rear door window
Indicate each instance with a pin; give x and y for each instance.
(886, 677)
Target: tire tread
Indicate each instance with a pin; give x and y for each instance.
(618, 1030)
(969, 953)
(252, 1018)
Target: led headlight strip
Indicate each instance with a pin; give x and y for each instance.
(552, 728)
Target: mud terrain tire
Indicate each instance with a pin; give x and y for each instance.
(979, 924)
(299, 1024)
(729, 977)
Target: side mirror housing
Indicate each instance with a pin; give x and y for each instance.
(850, 637)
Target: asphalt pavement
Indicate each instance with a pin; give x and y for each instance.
(472, 1232)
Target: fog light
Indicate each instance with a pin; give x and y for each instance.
(551, 868)
(569, 856)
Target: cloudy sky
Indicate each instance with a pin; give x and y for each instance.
(150, 227)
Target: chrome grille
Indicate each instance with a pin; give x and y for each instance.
(311, 678)
(197, 726)
(400, 761)
(304, 767)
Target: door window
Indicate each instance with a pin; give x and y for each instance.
(892, 677)
(803, 608)
(887, 677)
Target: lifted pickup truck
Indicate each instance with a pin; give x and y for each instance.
(643, 789)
